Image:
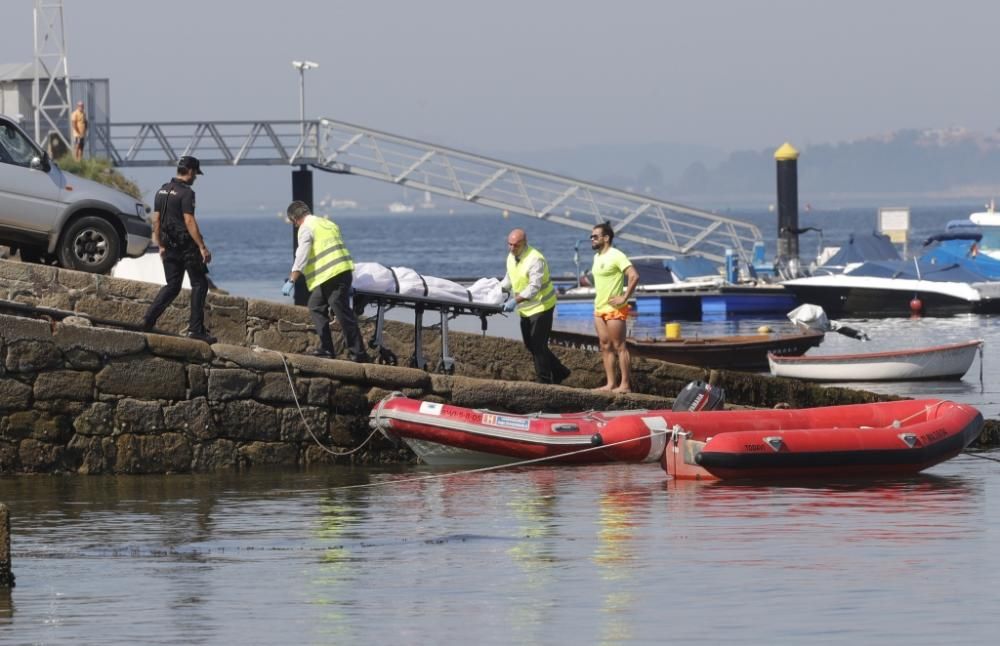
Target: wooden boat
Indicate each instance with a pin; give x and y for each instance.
(939, 362)
(441, 434)
(873, 440)
(742, 352)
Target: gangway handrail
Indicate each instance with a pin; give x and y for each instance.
(343, 147)
(702, 232)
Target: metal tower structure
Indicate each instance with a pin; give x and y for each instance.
(52, 102)
(341, 147)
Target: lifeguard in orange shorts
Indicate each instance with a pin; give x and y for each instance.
(611, 270)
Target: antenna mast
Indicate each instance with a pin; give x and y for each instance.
(52, 102)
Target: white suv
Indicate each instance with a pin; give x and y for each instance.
(46, 213)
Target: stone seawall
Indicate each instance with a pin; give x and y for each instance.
(85, 399)
(94, 400)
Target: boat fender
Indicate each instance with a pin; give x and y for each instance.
(596, 440)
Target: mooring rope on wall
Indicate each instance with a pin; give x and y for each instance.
(295, 397)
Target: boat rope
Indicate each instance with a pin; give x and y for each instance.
(981, 385)
(975, 453)
(496, 467)
(295, 397)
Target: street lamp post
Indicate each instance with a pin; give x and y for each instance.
(302, 188)
(302, 66)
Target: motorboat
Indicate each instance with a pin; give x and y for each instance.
(957, 272)
(400, 207)
(443, 434)
(855, 295)
(858, 440)
(950, 361)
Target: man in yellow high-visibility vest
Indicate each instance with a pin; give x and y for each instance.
(534, 298)
(323, 259)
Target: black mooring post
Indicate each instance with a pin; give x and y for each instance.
(302, 189)
(788, 208)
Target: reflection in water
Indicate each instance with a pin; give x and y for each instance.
(612, 553)
(6, 606)
(619, 510)
(532, 505)
(328, 584)
(730, 518)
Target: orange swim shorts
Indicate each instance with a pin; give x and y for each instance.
(620, 314)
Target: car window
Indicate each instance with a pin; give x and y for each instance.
(18, 147)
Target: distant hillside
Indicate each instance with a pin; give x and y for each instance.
(930, 163)
(636, 167)
(908, 166)
(952, 163)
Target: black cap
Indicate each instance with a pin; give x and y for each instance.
(187, 162)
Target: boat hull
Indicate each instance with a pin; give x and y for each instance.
(939, 362)
(747, 352)
(684, 302)
(885, 438)
(844, 296)
(441, 434)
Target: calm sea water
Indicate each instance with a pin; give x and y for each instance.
(595, 555)
(607, 554)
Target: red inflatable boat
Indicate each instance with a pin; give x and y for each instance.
(441, 434)
(880, 439)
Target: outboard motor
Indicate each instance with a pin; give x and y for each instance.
(699, 396)
(812, 317)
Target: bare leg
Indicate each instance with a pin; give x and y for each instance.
(607, 352)
(619, 351)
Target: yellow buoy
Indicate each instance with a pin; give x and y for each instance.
(764, 329)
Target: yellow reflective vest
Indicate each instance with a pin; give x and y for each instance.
(328, 257)
(545, 299)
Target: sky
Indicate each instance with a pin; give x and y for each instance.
(520, 75)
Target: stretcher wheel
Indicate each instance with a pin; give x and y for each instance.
(387, 357)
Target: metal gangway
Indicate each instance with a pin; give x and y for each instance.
(340, 147)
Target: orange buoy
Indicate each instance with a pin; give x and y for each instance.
(916, 305)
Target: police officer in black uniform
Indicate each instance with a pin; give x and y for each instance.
(182, 249)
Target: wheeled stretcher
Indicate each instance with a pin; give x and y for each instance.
(390, 287)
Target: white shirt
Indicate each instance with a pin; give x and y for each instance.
(536, 271)
(305, 243)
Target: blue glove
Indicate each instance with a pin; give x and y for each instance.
(288, 288)
(510, 305)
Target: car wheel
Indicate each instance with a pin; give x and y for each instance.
(90, 244)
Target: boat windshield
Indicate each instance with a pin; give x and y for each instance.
(991, 239)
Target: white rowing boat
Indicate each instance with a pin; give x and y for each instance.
(938, 362)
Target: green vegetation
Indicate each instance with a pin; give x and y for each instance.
(100, 170)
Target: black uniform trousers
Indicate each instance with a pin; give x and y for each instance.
(175, 263)
(535, 331)
(334, 295)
